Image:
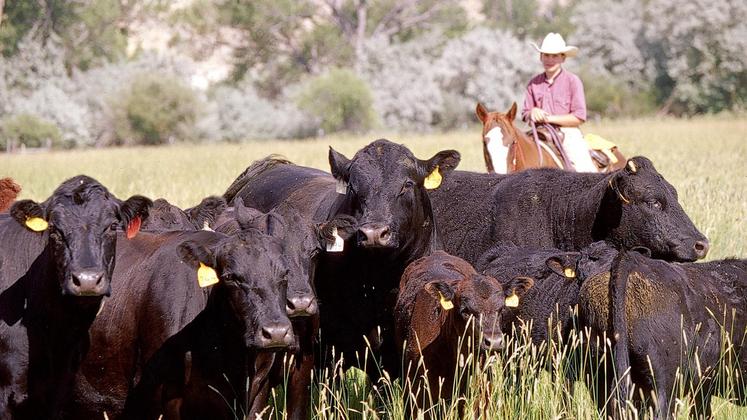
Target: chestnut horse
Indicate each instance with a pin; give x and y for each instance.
(507, 150)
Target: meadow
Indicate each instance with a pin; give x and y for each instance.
(704, 158)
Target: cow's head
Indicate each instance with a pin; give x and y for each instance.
(165, 216)
(385, 187)
(640, 208)
(82, 218)
(479, 302)
(249, 278)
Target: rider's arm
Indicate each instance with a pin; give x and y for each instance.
(564, 120)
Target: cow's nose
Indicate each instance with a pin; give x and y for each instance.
(492, 342)
(301, 306)
(88, 283)
(276, 336)
(701, 249)
(375, 235)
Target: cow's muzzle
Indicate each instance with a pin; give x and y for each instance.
(276, 336)
(375, 235)
(87, 283)
(298, 306)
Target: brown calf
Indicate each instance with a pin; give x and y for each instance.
(9, 190)
(438, 295)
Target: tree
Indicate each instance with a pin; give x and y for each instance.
(530, 19)
(697, 48)
(279, 42)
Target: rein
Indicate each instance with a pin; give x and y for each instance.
(555, 140)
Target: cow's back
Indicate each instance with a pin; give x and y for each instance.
(474, 211)
(309, 189)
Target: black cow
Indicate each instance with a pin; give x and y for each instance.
(165, 216)
(383, 189)
(107, 375)
(542, 208)
(303, 244)
(243, 314)
(52, 288)
(553, 296)
(179, 338)
(668, 319)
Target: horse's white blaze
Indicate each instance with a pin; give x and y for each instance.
(497, 150)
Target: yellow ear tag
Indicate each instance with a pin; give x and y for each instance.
(445, 303)
(206, 276)
(37, 224)
(569, 272)
(433, 180)
(631, 166)
(512, 301)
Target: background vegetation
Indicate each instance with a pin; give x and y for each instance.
(244, 70)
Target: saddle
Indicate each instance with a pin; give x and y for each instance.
(552, 139)
(604, 153)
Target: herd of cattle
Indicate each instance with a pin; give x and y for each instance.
(139, 309)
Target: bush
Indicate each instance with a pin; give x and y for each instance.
(28, 130)
(240, 113)
(156, 109)
(340, 100)
(610, 97)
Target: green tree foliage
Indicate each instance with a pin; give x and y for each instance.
(286, 40)
(156, 109)
(92, 31)
(340, 100)
(530, 19)
(28, 130)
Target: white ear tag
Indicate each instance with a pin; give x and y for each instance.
(341, 187)
(337, 245)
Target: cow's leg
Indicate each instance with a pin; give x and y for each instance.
(259, 388)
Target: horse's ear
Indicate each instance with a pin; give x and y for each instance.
(481, 112)
(511, 114)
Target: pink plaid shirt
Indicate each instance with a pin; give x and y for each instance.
(564, 96)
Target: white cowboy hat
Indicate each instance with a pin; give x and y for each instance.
(555, 44)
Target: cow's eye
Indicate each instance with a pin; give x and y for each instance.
(408, 186)
(655, 204)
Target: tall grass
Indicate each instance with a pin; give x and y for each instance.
(704, 158)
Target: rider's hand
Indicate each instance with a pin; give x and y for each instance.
(538, 115)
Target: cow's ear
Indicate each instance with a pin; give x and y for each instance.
(564, 265)
(481, 112)
(132, 212)
(201, 259)
(642, 250)
(433, 169)
(207, 211)
(248, 217)
(30, 214)
(344, 224)
(514, 289)
(442, 292)
(511, 114)
(339, 165)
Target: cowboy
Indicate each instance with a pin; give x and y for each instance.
(556, 97)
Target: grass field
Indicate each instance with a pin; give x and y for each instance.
(704, 158)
